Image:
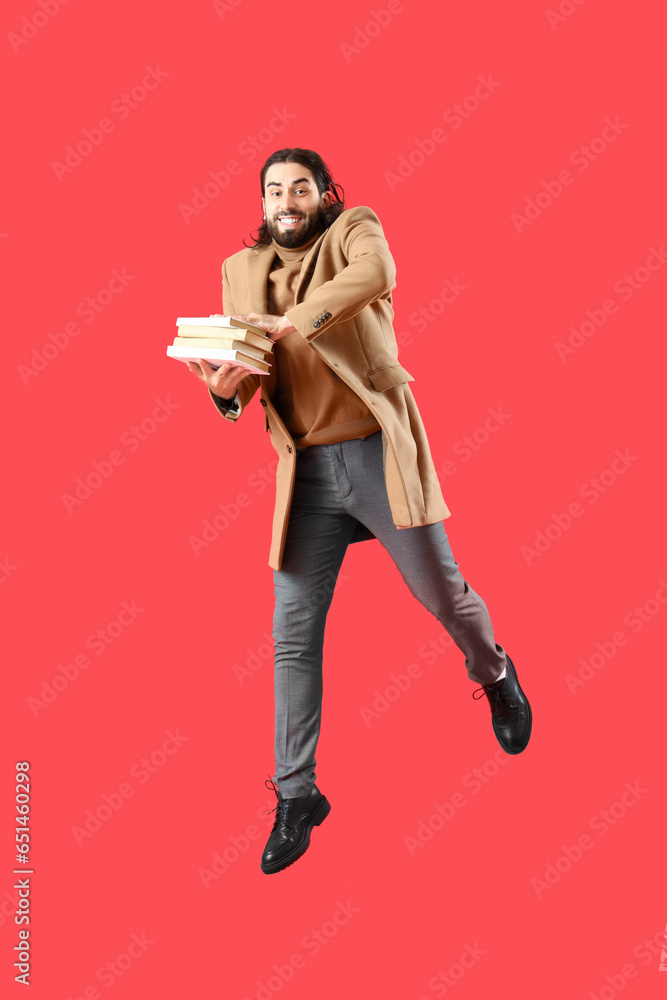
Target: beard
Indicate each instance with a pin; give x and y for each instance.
(312, 224)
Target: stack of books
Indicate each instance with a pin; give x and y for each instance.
(222, 338)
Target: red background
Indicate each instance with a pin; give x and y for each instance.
(67, 572)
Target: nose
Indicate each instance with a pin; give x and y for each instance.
(286, 204)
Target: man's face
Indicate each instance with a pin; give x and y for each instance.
(292, 204)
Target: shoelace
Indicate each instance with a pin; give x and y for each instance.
(280, 808)
(488, 690)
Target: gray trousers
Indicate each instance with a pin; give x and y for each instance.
(336, 486)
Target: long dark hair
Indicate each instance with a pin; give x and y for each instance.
(323, 179)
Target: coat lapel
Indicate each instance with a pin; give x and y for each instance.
(257, 275)
(308, 265)
(259, 263)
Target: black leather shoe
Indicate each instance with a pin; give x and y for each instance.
(290, 836)
(511, 715)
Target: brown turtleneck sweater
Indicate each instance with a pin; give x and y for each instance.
(315, 404)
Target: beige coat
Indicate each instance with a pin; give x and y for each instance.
(346, 314)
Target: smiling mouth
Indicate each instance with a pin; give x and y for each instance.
(289, 221)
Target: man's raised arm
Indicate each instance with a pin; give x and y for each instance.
(369, 275)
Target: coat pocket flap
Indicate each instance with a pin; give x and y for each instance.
(385, 378)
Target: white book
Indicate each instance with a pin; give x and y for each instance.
(222, 321)
(215, 356)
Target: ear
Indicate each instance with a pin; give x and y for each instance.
(327, 199)
(264, 208)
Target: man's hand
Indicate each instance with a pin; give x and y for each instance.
(223, 382)
(276, 326)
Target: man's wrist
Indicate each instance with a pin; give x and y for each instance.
(223, 401)
(287, 326)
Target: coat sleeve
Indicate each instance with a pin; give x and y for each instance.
(369, 274)
(250, 384)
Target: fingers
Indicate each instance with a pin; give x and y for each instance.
(257, 319)
(223, 381)
(201, 369)
(237, 374)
